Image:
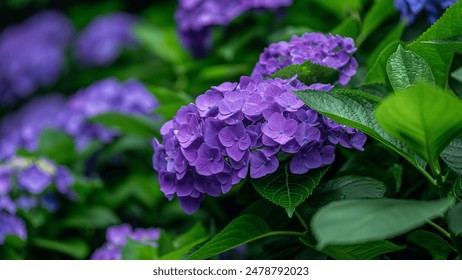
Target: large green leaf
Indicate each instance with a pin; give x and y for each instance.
(405, 68)
(348, 27)
(363, 220)
(377, 70)
(162, 42)
(185, 242)
(308, 73)
(288, 190)
(135, 250)
(424, 117)
(366, 251)
(393, 36)
(76, 248)
(455, 219)
(348, 187)
(241, 230)
(128, 124)
(56, 145)
(433, 243)
(439, 56)
(452, 155)
(356, 109)
(377, 14)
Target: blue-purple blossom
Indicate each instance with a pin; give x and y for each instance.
(117, 236)
(22, 129)
(32, 55)
(327, 50)
(238, 129)
(11, 226)
(196, 19)
(410, 9)
(109, 95)
(101, 42)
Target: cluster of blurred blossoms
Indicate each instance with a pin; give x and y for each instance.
(238, 128)
(410, 9)
(196, 19)
(117, 236)
(100, 43)
(130, 97)
(32, 55)
(22, 129)
(30, 184)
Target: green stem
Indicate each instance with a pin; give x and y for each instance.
(302, 221)
(427, 175)
(440, 229)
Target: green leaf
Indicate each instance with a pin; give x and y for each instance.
(56, 145)
(348, 27)
(457, 74)
(362, 220)
(288, 190)
(394, 35)
(75, 248)
(377, 14)
(90, 218)
(452, 155)
(348, 187)
(308, 73)
(162, 42)
(241, 230)
(440, 56)
(424, 117)
(127, 124)
(186, 242)
(377, 72)
(433, 243)
(356, 109)
(455, 219)
(405, 68)
(135, 250)
(340, 8)
(366, 251)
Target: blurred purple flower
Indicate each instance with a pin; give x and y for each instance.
(32, 55)
(22, 129)
(409, 9)
(11, 226)
(328, 50)
(196, 19)
(101, 42)
(130, 97)
(116, 237)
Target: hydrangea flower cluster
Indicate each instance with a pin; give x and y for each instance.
(196, 19)
(409, 9)
(32, 55)
(102, 40)
(22, 129)
(11, 226)
(130, 97)
(116, 237)
(327, 50)
(26, 184)
(236, 129)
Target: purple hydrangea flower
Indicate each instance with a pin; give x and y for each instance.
(11, 226)
(328, 50)
(409, 9)
(22, 129)
(117, 236)
(239, 129)
(103, 39)
(130, 97)
(196, 19)
(32, 55)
